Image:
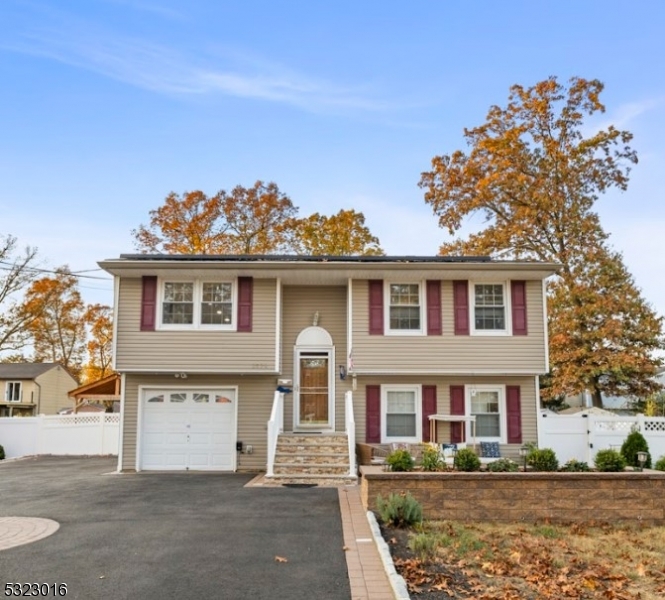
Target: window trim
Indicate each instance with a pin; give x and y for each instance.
(393, 387)
(507, 306)
(20, 391)
(197, 298)
(503, 411)
(387, 306)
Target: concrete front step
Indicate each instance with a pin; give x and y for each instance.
(314, 455)
(312, 449)
(335, 458)
(313, 479)
(313, 439)
(309, 468)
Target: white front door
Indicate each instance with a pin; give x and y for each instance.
(314, 395)
(185, 429)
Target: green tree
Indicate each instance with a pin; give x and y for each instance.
(535, 177)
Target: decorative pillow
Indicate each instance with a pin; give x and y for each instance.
(448, 450)
(399, 446)
(490, 450)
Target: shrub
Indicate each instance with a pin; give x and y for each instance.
(542, 459)
(399, 510)
(633, 444)
(466, 460)
(400, 460)
(610, 460)
(431, 459)
(2, 453)
(503, 465)
(575, 466)
(660, 464)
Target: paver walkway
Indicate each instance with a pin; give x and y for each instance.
(367, 575)
(16, 531)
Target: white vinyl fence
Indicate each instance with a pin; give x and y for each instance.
(83, 434)
(580, 436)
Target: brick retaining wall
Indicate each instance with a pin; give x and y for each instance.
(512, 497)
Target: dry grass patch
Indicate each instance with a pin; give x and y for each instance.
(488, 561)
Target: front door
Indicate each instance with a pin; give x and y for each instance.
(313, 411)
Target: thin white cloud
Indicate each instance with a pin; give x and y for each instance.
(159, 68)
(622, 116)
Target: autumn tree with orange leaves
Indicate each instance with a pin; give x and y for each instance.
(99, 320)
(535, 177)
(189, 224)
(341, 234)
(244, 221)
(58, 331)
(255, 220)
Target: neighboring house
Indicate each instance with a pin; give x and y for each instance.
(202, 343)
(31, 389)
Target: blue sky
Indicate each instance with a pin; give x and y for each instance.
(106, 106)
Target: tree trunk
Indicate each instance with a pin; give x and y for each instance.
(597, 399)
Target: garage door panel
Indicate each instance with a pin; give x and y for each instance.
(189, 434)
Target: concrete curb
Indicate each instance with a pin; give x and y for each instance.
(396, 580)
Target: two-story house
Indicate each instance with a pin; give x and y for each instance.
(34, 389)
(220, 354)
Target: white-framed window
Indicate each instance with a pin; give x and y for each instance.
(490, 308)
(488, 404)
(197, 304)
(13, 391)
(401, 413)
(404, 314)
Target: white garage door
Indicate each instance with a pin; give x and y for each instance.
(186, 429)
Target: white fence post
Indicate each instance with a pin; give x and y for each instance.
(102, 423)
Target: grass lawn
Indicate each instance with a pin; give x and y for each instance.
(485, 561)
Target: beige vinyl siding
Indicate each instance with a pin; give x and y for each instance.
(255, 396)
(195, 350)
(448, 353)
(527, 398)
(299, 304)
(54, 384)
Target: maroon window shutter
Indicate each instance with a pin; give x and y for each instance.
(461, 307)
(433, 308)
(518, 302)
(373, 414)
(457, 408)
(148, 303)
(514, 410)
(376, 307)
(429, 408)
(245, 296)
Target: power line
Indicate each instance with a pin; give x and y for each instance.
(77, 274)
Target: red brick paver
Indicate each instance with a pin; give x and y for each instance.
(366, 572)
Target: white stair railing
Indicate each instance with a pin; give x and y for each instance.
(350, 431)
(275, 427)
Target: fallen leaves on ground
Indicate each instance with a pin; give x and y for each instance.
(521, 562)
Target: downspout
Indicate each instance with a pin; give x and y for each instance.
(39, 398)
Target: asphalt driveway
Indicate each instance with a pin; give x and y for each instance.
(171, 535)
